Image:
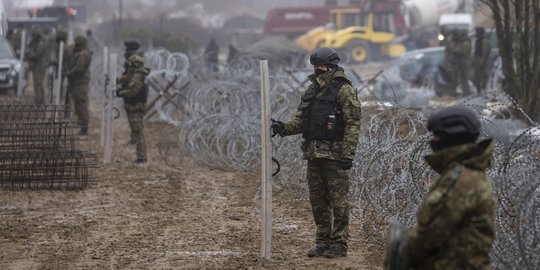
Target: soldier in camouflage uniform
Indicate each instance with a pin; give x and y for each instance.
(457, 62)
(329, 119)
(15, 39)
(480, 60)
(135, 94)
(61, 36)
(456, 222)
(78, 74)
(38, 60)
(132, 47)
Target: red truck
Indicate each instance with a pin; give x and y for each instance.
(296, 21)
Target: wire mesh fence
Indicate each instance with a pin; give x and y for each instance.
(38, 149)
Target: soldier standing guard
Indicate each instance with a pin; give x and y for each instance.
(329, 119)
(135, 92)
(37, 58)
(480, 62)
(456, 222)
(78, 74)
(132, 47)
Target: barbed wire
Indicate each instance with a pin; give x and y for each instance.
(218, 116)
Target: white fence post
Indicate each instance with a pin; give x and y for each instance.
(266, 177)
(109, 109)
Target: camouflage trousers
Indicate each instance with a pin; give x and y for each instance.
(328, 194)
(38, 76)
(459, 75)
(78, 92)
(136, 123)
(481, 75)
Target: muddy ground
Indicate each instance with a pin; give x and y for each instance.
(156, 216)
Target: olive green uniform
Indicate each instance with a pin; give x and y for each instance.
(480, 63)
(123, 81)
(456, 222)
(37, 57)
(78, 74)
(328, 183)
(135, 109)
(457, 62)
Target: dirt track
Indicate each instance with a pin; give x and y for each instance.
(155, 216)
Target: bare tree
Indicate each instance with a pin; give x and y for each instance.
(517, 24)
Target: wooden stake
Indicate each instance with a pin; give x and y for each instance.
(266, 177)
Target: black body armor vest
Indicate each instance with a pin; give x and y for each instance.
(322, 118)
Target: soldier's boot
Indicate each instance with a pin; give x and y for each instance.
(139, 161)
(335, 251)
(316, 251)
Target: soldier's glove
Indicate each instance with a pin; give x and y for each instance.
(119, 93)
(278, 128)
(346, 164)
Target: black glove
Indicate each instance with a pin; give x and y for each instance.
(278, 128)
(346, 164)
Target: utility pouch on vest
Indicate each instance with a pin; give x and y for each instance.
(322, 118)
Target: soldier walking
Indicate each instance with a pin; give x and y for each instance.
(38, 60)
(135, 93)
(455, 225)
(329, 120)
(78, 74)
(482, 49)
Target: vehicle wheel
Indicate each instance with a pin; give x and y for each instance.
(359, 51)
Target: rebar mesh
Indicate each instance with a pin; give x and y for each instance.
(38, 149)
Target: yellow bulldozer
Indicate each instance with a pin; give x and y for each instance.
(360, 35)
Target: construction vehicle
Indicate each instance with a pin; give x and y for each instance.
(377, 29)
(361, 33)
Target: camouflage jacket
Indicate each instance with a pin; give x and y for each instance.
(456, 222)
(78, 66)
(481, 60)
(457, 54)
(350, 106)
(37, 54)
(135, 84)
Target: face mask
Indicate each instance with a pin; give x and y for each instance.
(436, 145)
(319, 72)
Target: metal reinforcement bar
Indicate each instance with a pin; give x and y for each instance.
(37, 149)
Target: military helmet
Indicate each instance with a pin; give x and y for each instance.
(80, 41)
(455, 121)
(131, 45)
(136, 59)
(480, 30)
(61, 35)
(324, 56)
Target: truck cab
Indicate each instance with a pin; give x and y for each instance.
(460, 21)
